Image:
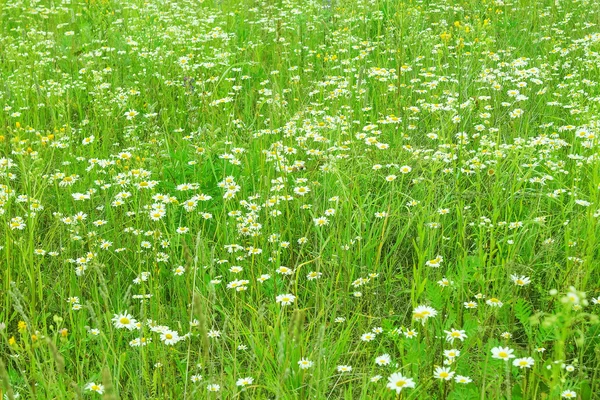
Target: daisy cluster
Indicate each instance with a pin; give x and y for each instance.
(299, 199)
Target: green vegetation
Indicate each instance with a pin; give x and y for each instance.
(334, 199)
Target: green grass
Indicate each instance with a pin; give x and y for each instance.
(388, 154)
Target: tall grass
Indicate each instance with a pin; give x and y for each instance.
(258, 199)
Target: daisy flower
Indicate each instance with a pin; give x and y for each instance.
(244, 381)
(502, 353)
(213, 387)
(383, 359)
(95, 387)
(520, 280)
(124, 320)
(170, 337)
(454, 334)
(525, 362)
(443, 373)
(285, 299)
(305, 364)
(397, 382)
(423, 313)
(462, 379)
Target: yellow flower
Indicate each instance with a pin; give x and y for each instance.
(12, 341)
(22, 326)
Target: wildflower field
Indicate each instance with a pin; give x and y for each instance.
(300, 199)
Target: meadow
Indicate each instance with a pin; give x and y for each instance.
(300, 199)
